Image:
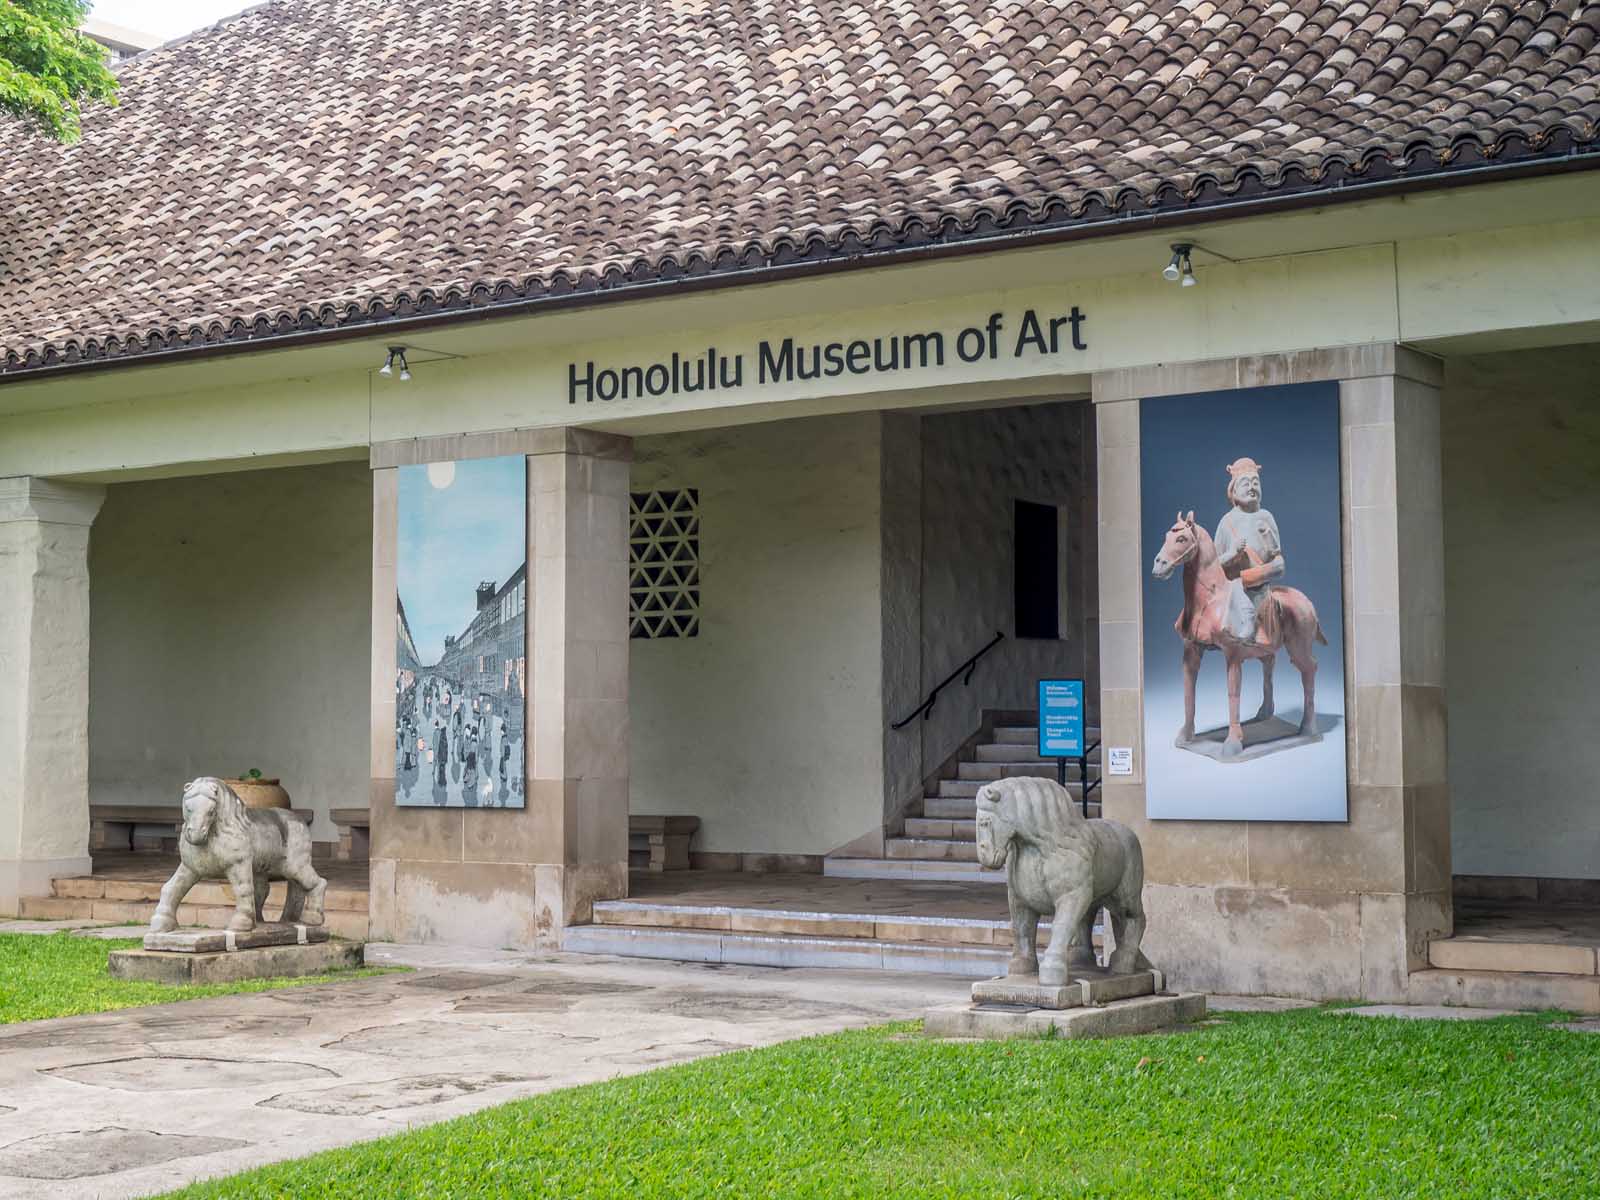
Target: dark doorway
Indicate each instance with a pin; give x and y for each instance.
(1038, 601)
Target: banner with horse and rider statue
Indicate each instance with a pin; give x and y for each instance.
(1240, 506)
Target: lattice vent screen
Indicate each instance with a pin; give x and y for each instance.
(664, 564)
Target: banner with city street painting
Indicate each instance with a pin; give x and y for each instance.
(1244, 705)
(461, 667)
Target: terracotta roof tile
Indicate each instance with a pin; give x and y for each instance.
(322, 163)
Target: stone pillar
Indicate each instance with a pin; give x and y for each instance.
(517, 878)
(1318, 910)
(44, 683)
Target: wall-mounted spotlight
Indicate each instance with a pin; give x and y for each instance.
(396, 354)
(1180, 267)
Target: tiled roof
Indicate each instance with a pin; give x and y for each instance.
(315, 164)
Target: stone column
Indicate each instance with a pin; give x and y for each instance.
(1319, 910)
(517, 878)
(44, 683)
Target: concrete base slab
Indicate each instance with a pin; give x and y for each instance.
(1083, 989)
(1592, 1025)
(1425, 1012)
(267, 962)
(68, 924)
(210, 941)
(1217, 1003)
(1261, 738)
(1120, 1018)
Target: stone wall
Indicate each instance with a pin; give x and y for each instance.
(768, 724)
(1521, 436)
(229, 630)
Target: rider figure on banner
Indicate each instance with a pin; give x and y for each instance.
(1251, 554)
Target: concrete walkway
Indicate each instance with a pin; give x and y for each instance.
(145, 1099)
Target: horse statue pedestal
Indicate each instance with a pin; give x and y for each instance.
(270, 950)
(1059, 863)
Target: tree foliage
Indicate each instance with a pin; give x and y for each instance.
(48, 69)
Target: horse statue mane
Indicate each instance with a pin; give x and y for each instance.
(1039, 811)
(229, 829)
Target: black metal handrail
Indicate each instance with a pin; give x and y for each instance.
(964, 671)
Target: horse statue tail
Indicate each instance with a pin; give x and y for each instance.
(1322, 638)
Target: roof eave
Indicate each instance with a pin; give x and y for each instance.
(816, 256)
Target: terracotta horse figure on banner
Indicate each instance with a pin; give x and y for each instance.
(1292, 626)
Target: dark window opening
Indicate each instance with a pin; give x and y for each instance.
(1038, 600)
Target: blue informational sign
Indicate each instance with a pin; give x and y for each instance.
(1060, 718)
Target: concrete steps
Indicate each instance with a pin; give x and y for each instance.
(939, 842)
(970, 948)
(210, 905)
(947, 870)
(1505, 989)
(963, 808)
(1500, 954)
(1497, 972)
(932, 849)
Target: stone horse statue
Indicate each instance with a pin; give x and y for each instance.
(1059, 862)
(249, 847)
(1203, 626)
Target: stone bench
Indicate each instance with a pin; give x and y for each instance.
(355, 834)
(116, 826)
(654, 843)
(660, 843)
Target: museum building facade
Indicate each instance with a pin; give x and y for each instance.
(859, 375)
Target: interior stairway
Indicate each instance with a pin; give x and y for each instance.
(939, 842)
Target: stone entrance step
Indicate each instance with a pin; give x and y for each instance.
(1501, 954)
(783, 950)
(899, 868)
(965, 808)
(989, 771)
(1505, 989)
(1028, 735)
(886, 927)
(133, 902)
(929, 849)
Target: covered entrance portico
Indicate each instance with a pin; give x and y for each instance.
(857, 536)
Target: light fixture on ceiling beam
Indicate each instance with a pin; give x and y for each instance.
(1180, 267)
(396, 354)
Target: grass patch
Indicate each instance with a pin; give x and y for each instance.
(1277, 1105)
(59, 975)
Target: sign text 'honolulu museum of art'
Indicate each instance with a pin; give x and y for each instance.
(784, 361)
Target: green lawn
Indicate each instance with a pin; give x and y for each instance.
(1304, 1104)
(59, 975)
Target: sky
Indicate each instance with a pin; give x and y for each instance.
(167, 18)
(460, 523)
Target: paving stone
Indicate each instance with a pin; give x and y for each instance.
(1424, 1012)
(113, 932)
(102, 1152)
(454, 980)
(62, 926)
(182, 1072)
(1587, 1025)
(362, 1099)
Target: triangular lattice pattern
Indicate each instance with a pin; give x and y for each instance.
(664, 564)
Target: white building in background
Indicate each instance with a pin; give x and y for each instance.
(830, 349)
(123, 42)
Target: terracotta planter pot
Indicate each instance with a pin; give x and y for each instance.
(259, 793)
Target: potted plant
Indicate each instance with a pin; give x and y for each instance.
(257, 791)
